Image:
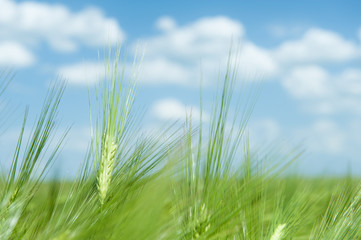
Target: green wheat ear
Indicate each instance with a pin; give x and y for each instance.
(115, 99)
(106, 167)
(278, 234)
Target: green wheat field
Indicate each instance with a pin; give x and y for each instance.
(190, 181)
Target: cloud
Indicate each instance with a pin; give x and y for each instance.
(317, 46)
(324, 136)
(283, 31)
(178, 54)
(349, 81)
(320, 92)
(165, 23)
(170, 109)
(255, 60)
(64, 30)
(305, 73)
(204, 37)
(307, 82)
(82, 74)
(162, 70)
(88, 73)
(14, 54)
(277, 31)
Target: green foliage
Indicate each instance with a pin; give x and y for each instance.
(204, 182)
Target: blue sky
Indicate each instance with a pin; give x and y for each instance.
(307, 53)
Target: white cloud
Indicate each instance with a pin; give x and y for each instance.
(202, 38)
(15, 54)
(307, 82)
(282, 31)
(349, 81)
(320, 92)
(165, 23)
(325, 136)
(317, 46)
(173, 109)
(87, 73)
(160, 70)
(179, 53)
(277, 30)
(62, 29)
(330, 144)
(255, 60)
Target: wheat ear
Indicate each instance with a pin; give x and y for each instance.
(278, 234)
(106, 167)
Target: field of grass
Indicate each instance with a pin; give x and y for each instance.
(193, 182)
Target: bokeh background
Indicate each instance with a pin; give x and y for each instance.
(306, 53)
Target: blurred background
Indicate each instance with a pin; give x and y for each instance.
(306, 53)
